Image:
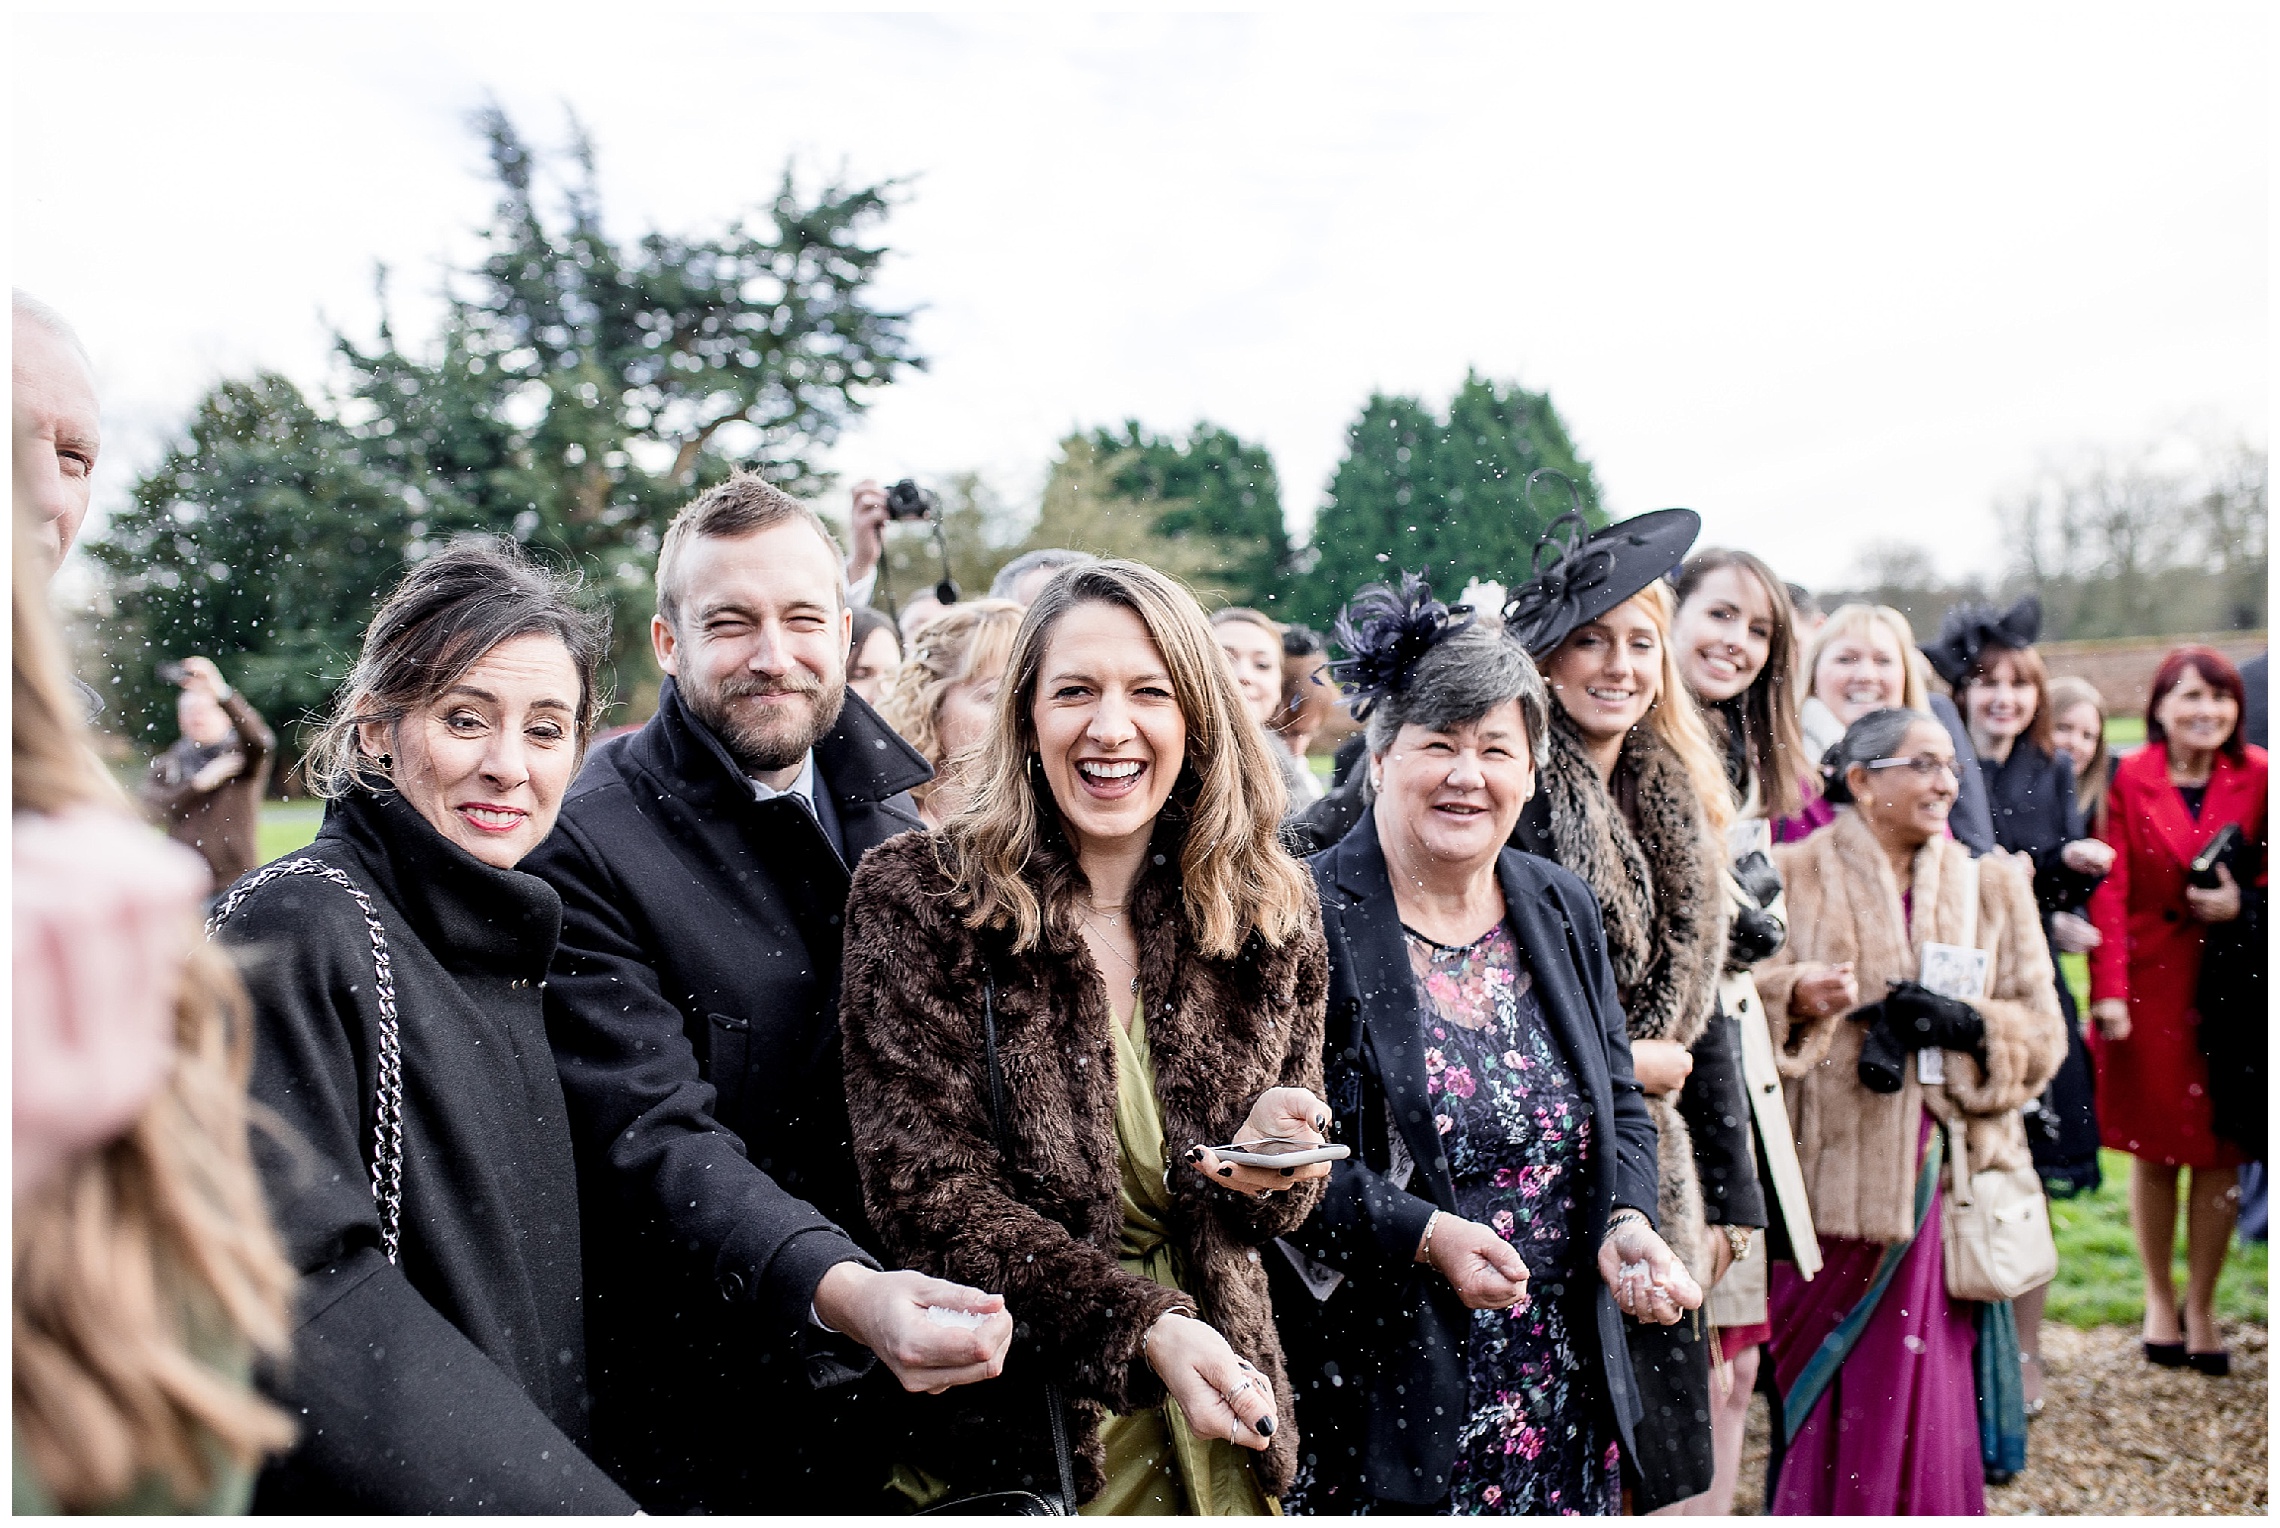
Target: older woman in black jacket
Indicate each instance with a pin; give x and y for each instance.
(425, 1190)
(1452, 1310)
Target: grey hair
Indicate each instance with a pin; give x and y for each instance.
(30, 307)
(1010, 576)
(1873, 737)
(1461, 680)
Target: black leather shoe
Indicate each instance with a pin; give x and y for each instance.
(2169, 1355)
(2216, 1365)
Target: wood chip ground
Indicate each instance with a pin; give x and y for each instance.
(2119, 1436)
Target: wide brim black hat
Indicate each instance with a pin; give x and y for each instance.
(1580, 577)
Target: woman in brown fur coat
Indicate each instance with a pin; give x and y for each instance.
(1112, 919)
(1874, 1349)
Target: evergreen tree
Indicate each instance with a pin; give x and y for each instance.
(1442, 495)
(581, 390)
(1213, 488)
(259, 541)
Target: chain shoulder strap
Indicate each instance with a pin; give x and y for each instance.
(388, 1126)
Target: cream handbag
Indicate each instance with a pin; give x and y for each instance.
(1995, 1229)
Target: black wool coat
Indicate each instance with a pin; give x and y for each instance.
(1042, 1229)
(1379, 1366)
(2030, 796)
(694, 1011)
(454, 1380)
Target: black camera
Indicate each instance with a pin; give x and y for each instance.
(907, 501)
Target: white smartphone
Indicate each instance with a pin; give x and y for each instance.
(1279, 1151)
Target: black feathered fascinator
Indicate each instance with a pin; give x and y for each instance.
(1386, 630)
(1581, 574)
(1967, 630)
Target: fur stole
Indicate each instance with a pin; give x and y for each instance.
(1661, 893)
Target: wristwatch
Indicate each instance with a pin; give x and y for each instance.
(1738, 1238)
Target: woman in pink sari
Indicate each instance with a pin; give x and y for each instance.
(1872, 1359)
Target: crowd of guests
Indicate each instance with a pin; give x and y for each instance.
(972, 1063)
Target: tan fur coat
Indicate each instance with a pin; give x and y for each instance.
(1858, 1148)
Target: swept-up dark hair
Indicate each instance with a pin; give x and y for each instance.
(1872, 737)
(1386, 631)
(437, 624)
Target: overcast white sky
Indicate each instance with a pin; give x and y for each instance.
(1828, 278)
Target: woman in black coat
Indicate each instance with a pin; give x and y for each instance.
(423, 1184)
(1452, 1312)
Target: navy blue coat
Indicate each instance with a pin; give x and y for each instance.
(1380, 1367)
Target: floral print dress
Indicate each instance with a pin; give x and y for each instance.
(1518, 1133)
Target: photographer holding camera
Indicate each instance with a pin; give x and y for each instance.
(205, 791)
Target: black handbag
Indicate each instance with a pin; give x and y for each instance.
(1016, 1503)
(2234, 1031)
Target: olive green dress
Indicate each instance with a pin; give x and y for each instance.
(1155, 1464)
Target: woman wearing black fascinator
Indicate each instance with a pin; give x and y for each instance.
(1453, 1314)
(1633, 798)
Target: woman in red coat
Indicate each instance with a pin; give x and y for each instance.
(2194, 775)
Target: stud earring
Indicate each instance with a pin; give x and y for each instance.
(387, 762)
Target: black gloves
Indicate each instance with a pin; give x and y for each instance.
(1912, 1017)
(1754, 933)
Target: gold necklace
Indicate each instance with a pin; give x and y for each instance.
(1131, 965)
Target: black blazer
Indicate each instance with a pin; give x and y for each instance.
(453, 1380)
(694, 1013)
(1380, 1367)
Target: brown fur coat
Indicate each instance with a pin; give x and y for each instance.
(1045, 1235)
(1858, 1148)
(1662, 894)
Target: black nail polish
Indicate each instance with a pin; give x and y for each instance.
(1266, 1427)
(1195, 1153)
(1286, 1172)
(1227, 1172)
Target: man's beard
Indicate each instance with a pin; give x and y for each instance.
(764, 744)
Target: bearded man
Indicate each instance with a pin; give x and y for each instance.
(693, 1007)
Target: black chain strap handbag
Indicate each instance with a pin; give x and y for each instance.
(388, 1082)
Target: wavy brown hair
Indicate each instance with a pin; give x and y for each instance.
(145, 1262)
(1006, 854)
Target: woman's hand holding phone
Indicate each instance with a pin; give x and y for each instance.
(1291, 1118)
(1220, 1395)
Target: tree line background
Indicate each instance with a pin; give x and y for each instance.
(580, 389)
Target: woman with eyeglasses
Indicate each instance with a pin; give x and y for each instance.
(1874, 1350)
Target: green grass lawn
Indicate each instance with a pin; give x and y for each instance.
(2098, 1282)
(286, 826)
